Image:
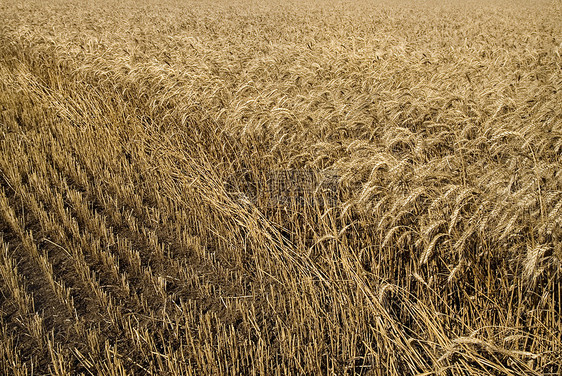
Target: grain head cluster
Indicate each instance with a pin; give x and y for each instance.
(280, 187)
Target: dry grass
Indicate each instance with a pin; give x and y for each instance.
(125, 248)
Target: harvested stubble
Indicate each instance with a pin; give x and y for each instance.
(123, 251)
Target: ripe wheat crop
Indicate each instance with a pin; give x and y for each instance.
(280, 187)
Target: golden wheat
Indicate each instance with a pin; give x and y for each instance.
(192, 188)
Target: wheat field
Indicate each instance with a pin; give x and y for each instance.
(280, 187)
